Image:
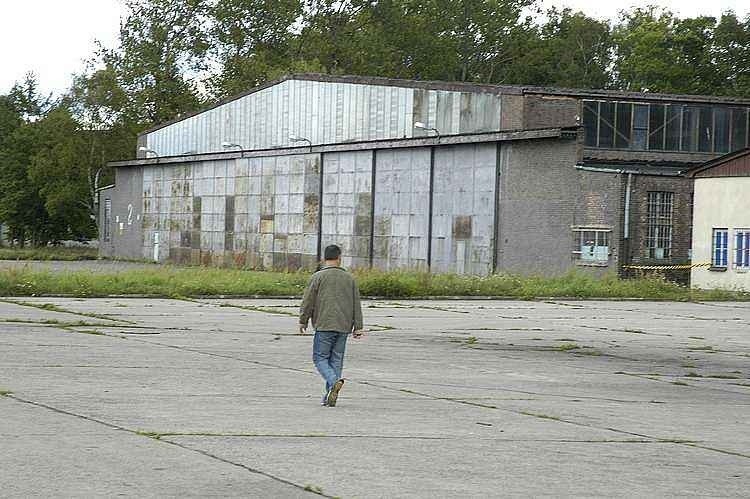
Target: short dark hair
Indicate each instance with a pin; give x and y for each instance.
(332, 252)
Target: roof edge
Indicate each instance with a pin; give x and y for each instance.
(693, 172)
(565, 133)
(456, 86)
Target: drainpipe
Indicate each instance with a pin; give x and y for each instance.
(626, 224)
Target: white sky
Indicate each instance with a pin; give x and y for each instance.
(53, 37)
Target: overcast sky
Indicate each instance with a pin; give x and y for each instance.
(54, 37)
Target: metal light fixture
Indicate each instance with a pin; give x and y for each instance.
(227, 145)
(294, 138)
(146, 150)
(422, 126)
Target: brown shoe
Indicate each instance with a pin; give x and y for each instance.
(333, 394)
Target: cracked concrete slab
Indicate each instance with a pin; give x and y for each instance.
(444, 398)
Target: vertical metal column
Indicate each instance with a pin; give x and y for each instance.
(496, 209)
(429, 213)
(320, 209)
(372, 206)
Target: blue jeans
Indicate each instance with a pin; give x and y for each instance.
(328, 355)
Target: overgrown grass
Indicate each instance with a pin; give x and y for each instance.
(195, 281)
(49, 253)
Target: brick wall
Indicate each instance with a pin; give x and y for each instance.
(681, 218)
(549, 111)
(536, 206)
(543, 197)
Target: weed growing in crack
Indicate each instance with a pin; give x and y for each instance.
(566, 347)
(314, 488)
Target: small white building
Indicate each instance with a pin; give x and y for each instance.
(721, 223)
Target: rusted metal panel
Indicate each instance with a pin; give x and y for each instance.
(401, 208)
(236, 211)
(347, 205)
(463, 209)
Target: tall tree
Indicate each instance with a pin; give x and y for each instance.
(162, 43)
(569, 50)
(21, 207)
(251, 41)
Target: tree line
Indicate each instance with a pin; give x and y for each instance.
(174, 56)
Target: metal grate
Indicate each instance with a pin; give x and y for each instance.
(659, 238)
(107, 225)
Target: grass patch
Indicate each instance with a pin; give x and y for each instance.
(195, 281)
(47, 253)
(706, 348)
(5, 393)
(314, 488)
(471, 340)
(680, 383)
(566, 347)
(693, 374)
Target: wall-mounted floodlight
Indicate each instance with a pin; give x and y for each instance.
(227, 145)
(294, 138)
(422, 126)
(146, 150)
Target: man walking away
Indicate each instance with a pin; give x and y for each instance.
(332, 302)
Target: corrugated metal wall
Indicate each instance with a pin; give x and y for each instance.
(347, 205)
(464, 209)
(326, 113)
(264, 212)
(259, 212)
(402, 206)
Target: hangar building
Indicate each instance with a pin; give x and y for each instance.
(450, 177)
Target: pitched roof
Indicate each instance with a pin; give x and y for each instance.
(734, 164)
(468, 87)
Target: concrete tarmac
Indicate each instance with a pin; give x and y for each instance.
(219, 398)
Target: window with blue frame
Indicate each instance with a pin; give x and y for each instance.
(742, 248)
(720, 248)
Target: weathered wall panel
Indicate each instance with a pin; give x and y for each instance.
(463, 209)
(347, 205)
(325, 113)
(402, 200)
(255, 213)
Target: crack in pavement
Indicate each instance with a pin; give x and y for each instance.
(51, 307)
(561, 420)
(168, 442)
(459, 401)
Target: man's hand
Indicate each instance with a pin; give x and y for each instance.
(302, 329)
(358, 333)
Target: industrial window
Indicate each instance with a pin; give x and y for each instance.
(640, 127)
(657, 126)
(107, 225)
(721, 130)
(742, 248)
(606, 124)
(738, 129)
(690, 115)
(665, 127)
(673, 126)
(591, 244)
(624, 122)
(659, 239)
(719, 248)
